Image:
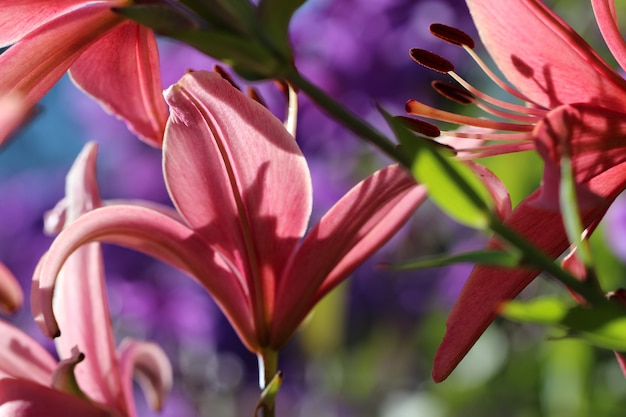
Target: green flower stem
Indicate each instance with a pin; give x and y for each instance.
(347, 118)
(268, 370)
(537, 258)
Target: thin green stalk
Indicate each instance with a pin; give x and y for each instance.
(537, 258)
(269, 382)
(347, 118)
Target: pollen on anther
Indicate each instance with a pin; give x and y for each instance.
(453, 92)
(420, 126)
(452, 35)
(431, 60)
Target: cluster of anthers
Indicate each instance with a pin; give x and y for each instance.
(509, 128)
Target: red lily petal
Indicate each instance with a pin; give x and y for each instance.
(522, 37)
(237, 177)
(11, 295)
(19, 17)
(155, 234)
(487, 287)
(593, 137)
(151, 368)
(121, 71)
(22, 357)
(40, 59)
(20, 398)
(354, 228)
(607, 22)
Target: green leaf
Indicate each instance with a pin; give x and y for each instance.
(248, 58)
(544, 310)
(275, 16)
(451, 184)
(234, 16)
(603, 326)
(161, 18)
(569, 209)
(484, 257)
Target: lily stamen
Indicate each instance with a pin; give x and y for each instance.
(457, 37)
(417, 108)
(462, 96)
(523, 109)
(471, 153)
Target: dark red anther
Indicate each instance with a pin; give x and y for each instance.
(431, 60)
(452, 35)
(420, 126)
(453, 92)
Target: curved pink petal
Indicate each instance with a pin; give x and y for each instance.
(157, 235)
(354, 228)
(606, 17)
(121, 71)
(21, 357)
(20, 398)
(522, 37)
(151, 368)
(237, 177)
(80, 301)
(20, 17)
(496, 188)
(11, 295)
(35, 63)
(487, 287)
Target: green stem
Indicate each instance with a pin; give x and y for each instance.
(268, 371)
(537, 258)
(347, 118)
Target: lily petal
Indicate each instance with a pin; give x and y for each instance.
(40, 59)
(521, 37)
(237, 177)
(21, 357)
(354, 228)
(19, 17)
(155, 234)
(609, 27)
(496, 188)
(487, 287)
(80, 301)
(151, 368)
(121, 71)
(21, 398)
(476, 308)
(11, 295)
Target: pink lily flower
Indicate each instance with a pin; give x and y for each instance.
(112, 59)
(574, 103)
(243, 191)
(94, 378)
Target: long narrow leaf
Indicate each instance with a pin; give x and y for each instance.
(483, 257)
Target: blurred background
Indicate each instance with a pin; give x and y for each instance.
(368, 347)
